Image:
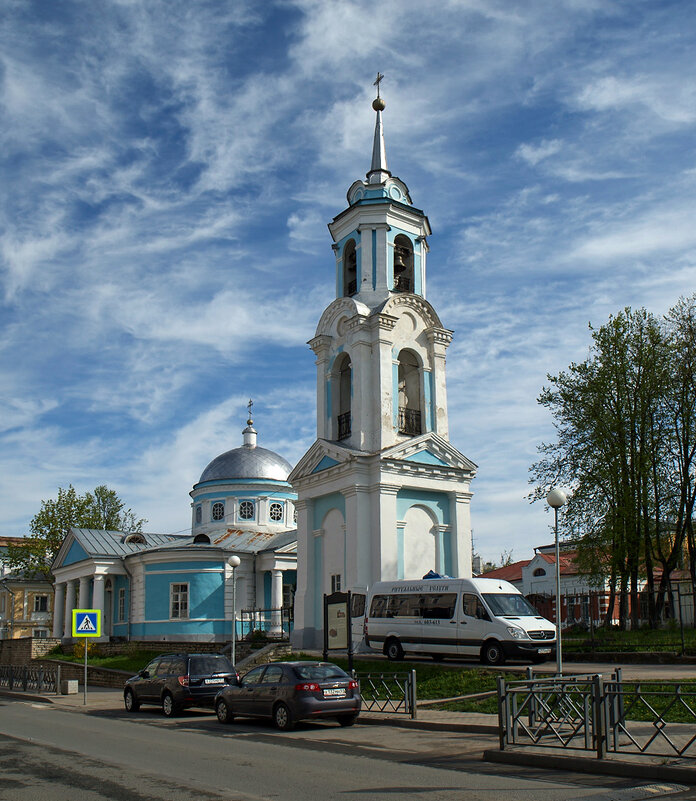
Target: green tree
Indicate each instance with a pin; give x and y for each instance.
(626, 433)
(101, 509)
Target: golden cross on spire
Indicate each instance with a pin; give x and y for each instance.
(249, 405)
(380, 78)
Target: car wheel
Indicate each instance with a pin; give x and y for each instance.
(393, 650)
(168, 706)
(347, 720)
(131, 702)
(492, 653)
(282, 717)
(222, 710)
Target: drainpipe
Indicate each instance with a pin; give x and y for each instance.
(12, 608)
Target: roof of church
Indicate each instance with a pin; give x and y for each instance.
(246, 462)
(116, 543)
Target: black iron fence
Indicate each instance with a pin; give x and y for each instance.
(30, 677)
(388, 692)
(590, 713)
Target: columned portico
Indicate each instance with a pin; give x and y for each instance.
(69, 606)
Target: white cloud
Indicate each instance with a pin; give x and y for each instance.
(533, 154)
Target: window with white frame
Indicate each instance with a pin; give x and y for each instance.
(42, 634)
(246, 510)
(275, 512)
(218, 511)
(41, 603)
(121, 604)
(178, 601)
(336, 583)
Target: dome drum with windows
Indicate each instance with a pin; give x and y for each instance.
(244, 488)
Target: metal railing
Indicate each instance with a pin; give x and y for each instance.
(30, 677)
(388, 692)
(590, 713)
(272, 624)
(409, 421)
(343, 425)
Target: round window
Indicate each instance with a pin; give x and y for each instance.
(246, 510)
(275, 511)
(218, 511)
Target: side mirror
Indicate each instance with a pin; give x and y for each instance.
(144, 674)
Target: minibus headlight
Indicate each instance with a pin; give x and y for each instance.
(517, 634)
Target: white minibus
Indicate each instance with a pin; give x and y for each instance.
(485, 618)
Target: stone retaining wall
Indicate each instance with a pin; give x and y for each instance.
(23, 650)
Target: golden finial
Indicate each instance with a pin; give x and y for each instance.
(378, 104)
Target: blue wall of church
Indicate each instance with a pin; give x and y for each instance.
(206, 591)
(323, 505)
(437, 502)
(75, 554)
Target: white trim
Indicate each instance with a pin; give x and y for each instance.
(189, 570)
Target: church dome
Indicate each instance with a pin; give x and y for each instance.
(247, 462)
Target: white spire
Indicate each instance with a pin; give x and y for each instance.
(378, 169)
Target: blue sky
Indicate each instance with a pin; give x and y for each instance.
(167, 170)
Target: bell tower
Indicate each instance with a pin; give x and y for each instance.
(381, 494)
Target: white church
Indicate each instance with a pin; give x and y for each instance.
(381, 494)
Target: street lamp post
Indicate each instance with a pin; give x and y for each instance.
(234, 561)
(557, 498)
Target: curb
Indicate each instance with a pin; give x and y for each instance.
(626, 770)
(25, 696)
(430, 725)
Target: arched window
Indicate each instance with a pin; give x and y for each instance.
(202, 538)
(246, 510)
(409, 394)
(218, 511)
(275, 512)
(403, 264)
(136, 538)
(199, 514)
(350, 269)
(342, 379)
(539, 572)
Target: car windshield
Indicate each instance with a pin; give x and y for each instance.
(513, 604)
(207, 665)
(320, 672)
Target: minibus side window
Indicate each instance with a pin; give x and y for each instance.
(473, 607)
(379, 606)
(440, 607)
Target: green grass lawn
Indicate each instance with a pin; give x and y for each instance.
(644, 639)
(132, 662)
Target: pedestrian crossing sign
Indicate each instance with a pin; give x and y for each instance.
(86, 623)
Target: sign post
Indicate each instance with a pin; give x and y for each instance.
(338, 635)
(86, 623)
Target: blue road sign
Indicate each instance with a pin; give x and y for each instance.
(86, 623)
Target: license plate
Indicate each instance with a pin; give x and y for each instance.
(214, 681)
(544, 650)
(338, 692)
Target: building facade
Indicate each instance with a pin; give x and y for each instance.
(382, 493)
(171, 587)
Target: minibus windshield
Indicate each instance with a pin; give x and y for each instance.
(509, 605)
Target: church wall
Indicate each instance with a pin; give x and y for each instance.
(437, 502)
(75, 554)
(206, 594)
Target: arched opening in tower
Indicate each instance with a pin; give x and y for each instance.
(409, 394)
(403, 264)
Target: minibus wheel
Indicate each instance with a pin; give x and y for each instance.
(393, 650)
(492, 653)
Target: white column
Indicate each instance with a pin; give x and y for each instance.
(304, 617)
(58, 609)
(384, 545)
(460, 509)
(69, 606)
(83, 597)
(276, 601)
(98, 597)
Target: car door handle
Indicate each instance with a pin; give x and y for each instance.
(463, 622)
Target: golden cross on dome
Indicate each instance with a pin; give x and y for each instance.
(249, 405)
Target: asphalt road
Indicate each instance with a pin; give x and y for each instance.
(65, 755)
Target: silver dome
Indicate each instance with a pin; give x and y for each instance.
(247, 463)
